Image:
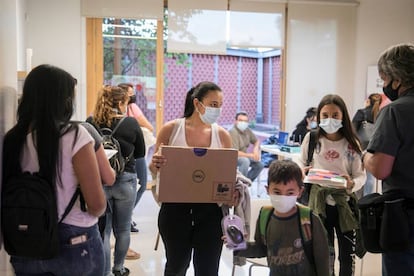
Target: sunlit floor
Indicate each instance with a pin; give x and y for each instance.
(152, 261)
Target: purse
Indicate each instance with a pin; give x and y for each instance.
(384, 223)
(365, 132)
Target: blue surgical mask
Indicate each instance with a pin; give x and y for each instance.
(242, 125)
(210, 115)
(313, 125)
(330, 125)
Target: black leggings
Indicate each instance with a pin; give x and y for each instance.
(188, 228)
(346, 243)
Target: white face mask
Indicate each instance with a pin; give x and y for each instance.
(313, 125)
(282, 203)
(330, 125)
(210, 115)
(242, 125)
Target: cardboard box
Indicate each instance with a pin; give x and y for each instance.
(199, 175)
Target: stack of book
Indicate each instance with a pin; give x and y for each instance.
(325, 178)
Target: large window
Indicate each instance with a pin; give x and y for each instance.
(129, 55)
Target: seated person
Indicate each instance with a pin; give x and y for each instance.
(307, 123)
(242, 136)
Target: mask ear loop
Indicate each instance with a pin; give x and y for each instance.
(196, 107)
(203, 106)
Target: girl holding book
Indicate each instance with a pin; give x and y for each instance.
(338, 150)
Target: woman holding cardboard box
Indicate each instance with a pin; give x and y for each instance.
(193, 230)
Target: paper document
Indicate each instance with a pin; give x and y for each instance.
(109, 153)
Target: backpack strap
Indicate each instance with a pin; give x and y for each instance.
(264, 218)
(72, 202)
(365, 115)
(127, 158)
(305, 221)
(117, 126)
(311, 146)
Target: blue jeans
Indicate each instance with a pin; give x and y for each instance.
(245, 163)
(121, 198)
(400, 263)
(86, 258)
(141, 168)
(369, 186)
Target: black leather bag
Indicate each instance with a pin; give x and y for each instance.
(384, 223)
(395, 228)
(365, 132)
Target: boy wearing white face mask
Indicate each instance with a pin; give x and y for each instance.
(242, 137)
(282, 239)
(337, 149)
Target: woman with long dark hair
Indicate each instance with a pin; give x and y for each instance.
(338, 150)
(363, 116)
(44, 140)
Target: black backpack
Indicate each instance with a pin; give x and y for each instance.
(109, 142)
(304, 199)
(29, 216)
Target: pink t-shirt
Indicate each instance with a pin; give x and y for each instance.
(67, 183)
(134, 111)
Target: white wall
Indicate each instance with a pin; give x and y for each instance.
(8, 87)
(56, 33)
(21, 33)
(320, 56)
(381, 23)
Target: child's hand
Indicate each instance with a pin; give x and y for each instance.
(350, 184)
(305, 171)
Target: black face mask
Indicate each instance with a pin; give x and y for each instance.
(132, 99)
(391, 93)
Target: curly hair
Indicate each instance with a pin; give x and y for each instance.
(107, 104)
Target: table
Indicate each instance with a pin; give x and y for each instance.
(275, 149)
